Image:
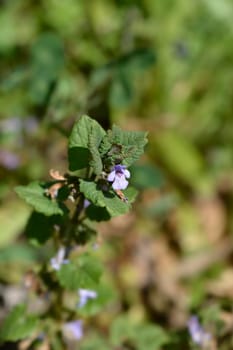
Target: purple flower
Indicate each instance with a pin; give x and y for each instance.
(198, 334)
(58, 259)
(9, 160)
(74, 329)
(17, 124)
(118, 177)
(85, 295)
(86, 203)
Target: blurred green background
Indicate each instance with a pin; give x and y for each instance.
(158, 65)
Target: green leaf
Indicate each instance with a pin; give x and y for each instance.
(47, 61)
(40, 227)
(84, 141)
(79, 158)
(18, 325)
(105, 295)
(94, 141)
(132, 141)
(121, 330)
(34, 194)
(98, 214)
(130, 193)
(126, 146)
(18, 253)
(84, 272)
(109, 200)
(143, 336)
(13, 217)
(149, 337)
(94, 342)
(81, 131)
(105, 144)
(115, 206)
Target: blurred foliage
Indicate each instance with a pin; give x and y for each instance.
(162, 66)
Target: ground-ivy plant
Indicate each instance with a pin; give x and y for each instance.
(96, 187)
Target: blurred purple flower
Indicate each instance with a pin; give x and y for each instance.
(17, 124)
(86, 203)
(31, 124)
(11, 125)
(58, 259)
(74, 329)
(85, 295)
(198, 334)
(118, 177)
(9, 160)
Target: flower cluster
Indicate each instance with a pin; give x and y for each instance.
(74, 329)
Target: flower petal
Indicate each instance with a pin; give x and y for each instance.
(127, 173)
(61, 254)
(74, 328)
(112, 176)
(198, 334)
(85, 295)
(58, 259)
(54, 264)
(120, 183)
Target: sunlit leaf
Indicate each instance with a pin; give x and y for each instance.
(18, 325)
(84, 140)
(84, 272)
(34, 194)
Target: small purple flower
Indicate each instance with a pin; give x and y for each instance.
(198, 334)
(85, 295)
(118, 177)
(9, 160)
(74, 329)
(86, 203)
(58, 259)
